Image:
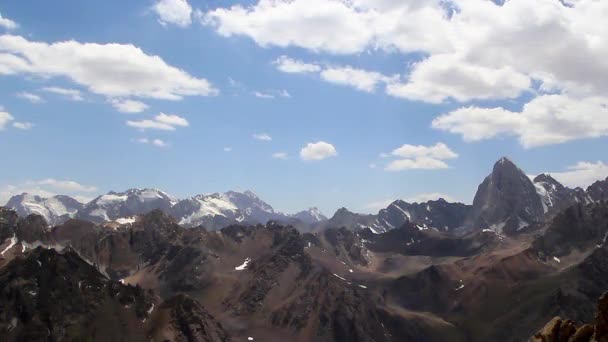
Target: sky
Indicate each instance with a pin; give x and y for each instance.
(326, 103)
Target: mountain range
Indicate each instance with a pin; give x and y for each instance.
(142, 266)
(506, 201)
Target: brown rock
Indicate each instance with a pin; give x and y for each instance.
(601, 319)
(583, 334)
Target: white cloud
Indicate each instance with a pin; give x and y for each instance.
(582, 174)
(372, 165)
(47, 188)
(173, 120)
(280, 155)
(23, 125)
(7, 23)
(176, 12)
(441, 77)
(33, 98)
(262, 95)
(112, 70)
(547, 119)
(469, 49)
(318, 151)
(289, 65)
(5, 118)
(359, 79)
(437, 151)
(128, 106)
(420, 157)
(150, 124)
(162, 122)
(155, 142)
(72, 94)
(318, 25)
(228, 149)
(261, 137)
(284, 93)
(416, 164)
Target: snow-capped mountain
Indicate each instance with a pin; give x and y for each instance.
(115, 205)
(439, 215)
(218, 210)
(311, 216)
(55, 210)
(555, 197)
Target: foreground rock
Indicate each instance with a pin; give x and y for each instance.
(558, 330)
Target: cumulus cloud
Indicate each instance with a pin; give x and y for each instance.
(547, 119)
(23, 125)
(262, 137)
(289, 65)
(33, 98)
(72, 94)
(5, 118)
(128, 106)
(280, 155)
(318, 25)
(318, 151)
(469, 50)
(164, 122)
(420, 157)
(101, 68)
(7, 23)
(154, 142)
(359, 79)
(582, 174)
(176, 12)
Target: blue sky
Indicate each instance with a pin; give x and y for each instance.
(368, 91)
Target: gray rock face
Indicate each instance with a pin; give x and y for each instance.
(555, 197)
(439, 214)
(55, 210)
(132, 202)
(598, 191)
(506, 201)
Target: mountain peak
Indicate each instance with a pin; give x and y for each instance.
(504, 162)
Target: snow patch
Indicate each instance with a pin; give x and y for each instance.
(557, 259)
(126, 220)
(337, 276)
(243, 266)
(13, 242)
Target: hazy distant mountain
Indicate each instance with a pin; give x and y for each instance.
(310, 216)
(132, 202)
(507, 200)
(55, 210)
